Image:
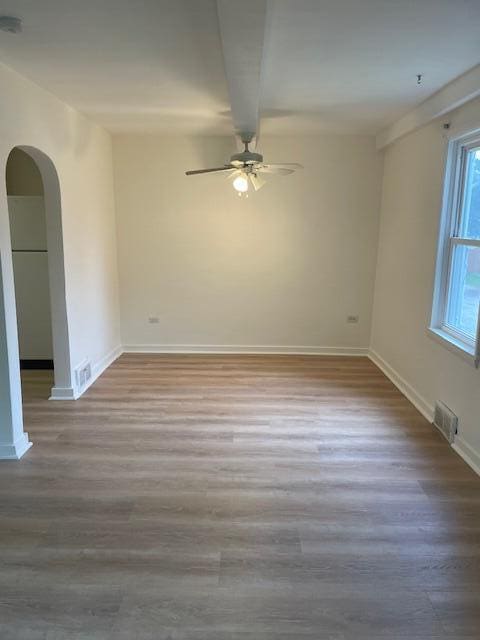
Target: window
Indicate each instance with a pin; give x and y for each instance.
(456, 310)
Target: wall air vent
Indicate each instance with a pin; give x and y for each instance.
(445, 421)
(83, 373)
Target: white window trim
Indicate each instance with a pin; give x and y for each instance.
(451, 202)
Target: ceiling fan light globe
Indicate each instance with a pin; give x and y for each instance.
(241, 184)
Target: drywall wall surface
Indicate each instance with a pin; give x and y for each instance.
(283, 268)
(81, 153)
(410, 215)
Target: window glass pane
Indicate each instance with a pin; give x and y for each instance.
(470, 219)
(464, 290)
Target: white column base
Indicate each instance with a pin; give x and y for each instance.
(62, 393)
(15, 450)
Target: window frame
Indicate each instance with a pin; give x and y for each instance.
(450, 225)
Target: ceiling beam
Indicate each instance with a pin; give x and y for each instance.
(451, 96)
(242, 30)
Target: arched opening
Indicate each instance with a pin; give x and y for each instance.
(33, 323)
(28, 238)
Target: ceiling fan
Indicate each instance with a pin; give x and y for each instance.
(247, 167)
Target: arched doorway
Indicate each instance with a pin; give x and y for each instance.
(27, 244)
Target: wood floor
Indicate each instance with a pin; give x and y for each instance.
(237, 498)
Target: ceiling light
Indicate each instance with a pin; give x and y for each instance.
(241, 184)
(10, 24)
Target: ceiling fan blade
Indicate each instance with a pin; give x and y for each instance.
(286, 165)
(257, 181)
(281, 171)
(226, 167)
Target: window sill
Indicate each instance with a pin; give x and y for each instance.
(452, 344)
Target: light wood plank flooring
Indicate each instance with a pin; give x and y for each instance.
(237, 498)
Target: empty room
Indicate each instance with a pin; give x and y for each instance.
(240, 320)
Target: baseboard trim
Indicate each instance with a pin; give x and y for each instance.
(245, 349)
(105, 362)
(62, 393)
(70, 393)
(15, 450)
(99, 367)
(402, 385)
(465, 451)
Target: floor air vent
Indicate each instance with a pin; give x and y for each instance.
(446, 421)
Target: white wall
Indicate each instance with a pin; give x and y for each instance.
(410, 214)
(282, 268)
(81, 153)
(28, 235)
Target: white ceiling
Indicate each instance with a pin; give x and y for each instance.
(352, 64)
(129, 64)
(158, 65)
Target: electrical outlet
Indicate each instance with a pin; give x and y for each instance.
(353, 319)
(153, 320)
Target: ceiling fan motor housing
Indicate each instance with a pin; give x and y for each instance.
(246, 157)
